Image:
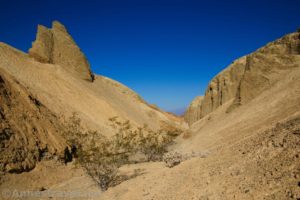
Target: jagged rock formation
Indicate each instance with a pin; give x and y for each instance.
(248, 76)
(28, 130)
(265, 67)
(221, 89)
(193, 113)
(56, 46)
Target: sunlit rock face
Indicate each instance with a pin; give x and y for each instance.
(56, 46)
(193, 113)
(248, 76)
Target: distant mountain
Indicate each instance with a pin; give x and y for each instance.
(178, 111)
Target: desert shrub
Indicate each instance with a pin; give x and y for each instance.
(170, 129)
(130, 140)
(93, 152)
(102, 156)
(172, 159)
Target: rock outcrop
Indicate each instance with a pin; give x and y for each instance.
(193, 113)
(265, 67)
(248, 76)
(56, 46)
(221, 89)
(28, 130)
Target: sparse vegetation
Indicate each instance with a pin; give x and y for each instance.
(102, 156)
(130, 140)
(174, 158)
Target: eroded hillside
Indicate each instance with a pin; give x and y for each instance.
(249, 76)
(29, 131)
(242, 142)
(59, 84)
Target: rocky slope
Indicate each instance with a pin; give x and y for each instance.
(265, 67)
(40, 90)
(58, 82)
(248, 76)
(28, 130)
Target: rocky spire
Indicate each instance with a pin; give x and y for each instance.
(56, 46)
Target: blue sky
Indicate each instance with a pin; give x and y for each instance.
(167, 51)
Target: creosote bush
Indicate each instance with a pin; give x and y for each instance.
(102, 156)
(174, 158)
(129, 140)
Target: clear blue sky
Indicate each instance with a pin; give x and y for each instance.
(167, 51)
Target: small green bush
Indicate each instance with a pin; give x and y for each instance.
(153, 144)
(102, 156)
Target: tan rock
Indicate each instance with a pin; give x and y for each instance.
(265, 67)
(193, 113)
(42, 48)
(27, 128)
(250, 75)
(221, 89)
(56, 46)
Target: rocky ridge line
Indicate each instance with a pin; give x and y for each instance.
(247, 77)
